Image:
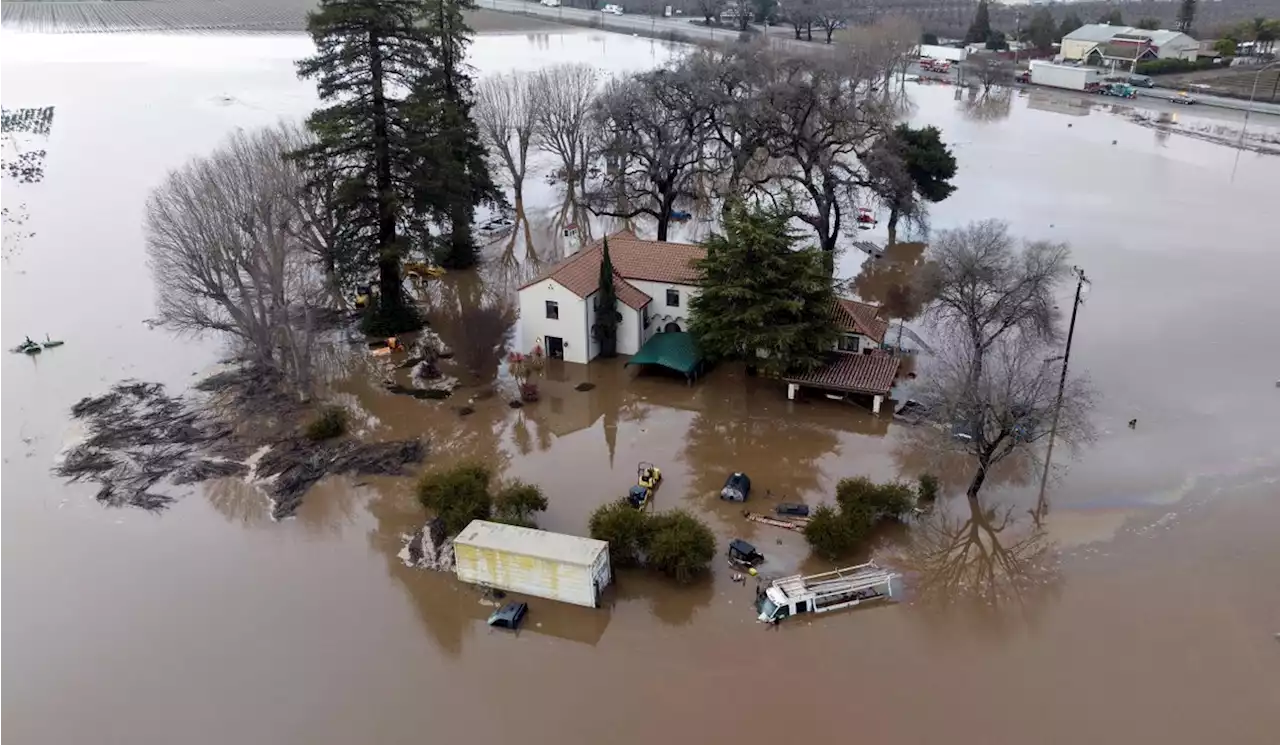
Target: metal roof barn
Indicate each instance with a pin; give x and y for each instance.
(549, 565)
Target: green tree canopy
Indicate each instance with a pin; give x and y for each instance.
(1070, 22)
(1112, 17)
(980, 29)
(1150, 24)
(369, 53)
(1042, 32)
(910, 165)
(761, 295)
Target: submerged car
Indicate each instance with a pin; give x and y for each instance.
(743, 555)
(508, 616)
(736, 488)
(611, 9)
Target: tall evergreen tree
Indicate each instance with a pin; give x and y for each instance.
(909, 166)
(605, 329)
(1043, 31)
(368, 52)
(1070, 22)
(461, 180)
(1186, 15)
(762, 295)
(980, 29)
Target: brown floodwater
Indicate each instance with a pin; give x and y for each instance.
(1144, 610)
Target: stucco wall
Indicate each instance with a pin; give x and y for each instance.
(571, 326)
(659, 311)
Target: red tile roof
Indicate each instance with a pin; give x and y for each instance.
(855, 373)
(859, 318)
(633, 258)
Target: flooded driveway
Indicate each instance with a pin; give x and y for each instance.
(1145, 611)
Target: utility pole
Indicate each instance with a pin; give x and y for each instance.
(1042, 507)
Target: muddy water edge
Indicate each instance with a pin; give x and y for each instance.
(1144, 611)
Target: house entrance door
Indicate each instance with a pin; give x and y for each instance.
(555, 348)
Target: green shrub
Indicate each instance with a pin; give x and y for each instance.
(831, 534)
(927, 488)
(679, 545)
(1171, 66)
(457, 495)
(516, 502)
(624, 528)
(330, 422)
(861, 494)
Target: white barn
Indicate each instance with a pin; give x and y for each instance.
(654, 282)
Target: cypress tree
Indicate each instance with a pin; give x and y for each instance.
(605, 328)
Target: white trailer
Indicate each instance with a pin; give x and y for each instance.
(534, 562)
(950, 54)
(819, 593)
(1069, 77)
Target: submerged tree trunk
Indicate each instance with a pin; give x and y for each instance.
(893, 225)
(979, 478)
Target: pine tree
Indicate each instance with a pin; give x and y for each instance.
(1070, 22)
(762, 295)
(462, 179)
(367, 53)
(1042, 31)
(980, 29)
(1186, 15)
(605, 329)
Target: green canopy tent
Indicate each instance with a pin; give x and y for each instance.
(674, 350)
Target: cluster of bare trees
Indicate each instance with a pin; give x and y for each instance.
(239, 244)
(742, 122)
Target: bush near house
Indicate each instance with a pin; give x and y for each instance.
(835, 532)
(927, 488)
(675, 543)
(461, 494)
(1171, 66)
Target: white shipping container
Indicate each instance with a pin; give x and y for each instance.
(549, 565)
(951, 54)
(1070, 77)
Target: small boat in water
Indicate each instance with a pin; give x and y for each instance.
(51, 343)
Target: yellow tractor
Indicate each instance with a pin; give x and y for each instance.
(648, 476)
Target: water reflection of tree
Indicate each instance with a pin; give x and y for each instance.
(991, 105)
(986, 566)
(672, 604)
(890, 281)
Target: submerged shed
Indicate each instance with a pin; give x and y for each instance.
(549, 565)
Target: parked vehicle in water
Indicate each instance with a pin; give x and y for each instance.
(828, 591)
(508, 616)
(611, 9)
(1119, 90)
(1183, 98)
(1142, 81)
(737, 487)
(743, 555)
(550, 3)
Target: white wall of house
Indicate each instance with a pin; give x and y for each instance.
(1076, 49)
(659, 311)
(571, 326)
(1179, 47)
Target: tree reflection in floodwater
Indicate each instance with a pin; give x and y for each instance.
(984, 568)
(989, 106)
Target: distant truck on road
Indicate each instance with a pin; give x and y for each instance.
(950, 54)
(1068, 77)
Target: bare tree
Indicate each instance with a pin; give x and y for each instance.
(801, 15)
(654, 129)
(832, 15)
(710, 10)
(224, 249)
(319, 231)
(1007, 407)
(819, 114)
(507, 115)
(729, 84)
(563, 96)
(988, 70)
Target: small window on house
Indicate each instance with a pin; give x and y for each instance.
(553, 310)
(646, 316)
(673, 298)
(848, 343)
